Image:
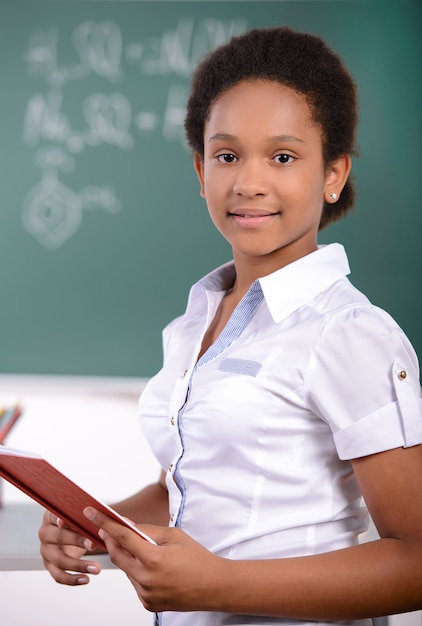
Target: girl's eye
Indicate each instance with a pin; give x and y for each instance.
(284, 158)
(226, 158)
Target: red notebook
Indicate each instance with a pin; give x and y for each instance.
(33, 475)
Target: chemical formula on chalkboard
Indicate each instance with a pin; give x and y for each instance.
(99, 52)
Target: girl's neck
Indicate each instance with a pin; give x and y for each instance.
(250, 268)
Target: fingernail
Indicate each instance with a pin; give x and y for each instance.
(92, 569)
(88, 544)
(82, 580)
(101, 534)
(89, 513)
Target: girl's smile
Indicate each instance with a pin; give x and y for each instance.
(251, 218)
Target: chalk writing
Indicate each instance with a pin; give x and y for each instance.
(44, 119)
(109, 118)
(97, 47)
(115, 115)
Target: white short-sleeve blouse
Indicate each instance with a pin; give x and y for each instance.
(257, 436)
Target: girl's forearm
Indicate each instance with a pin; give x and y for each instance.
(377, 578)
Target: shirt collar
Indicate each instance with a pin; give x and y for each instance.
(220, 279)
(292, 286)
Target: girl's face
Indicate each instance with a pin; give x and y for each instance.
(263, 174)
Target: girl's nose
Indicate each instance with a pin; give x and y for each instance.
(250, 180)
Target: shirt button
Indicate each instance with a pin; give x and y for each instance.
(172, 420)
(170, 467)
(184, 373)
(402, 375)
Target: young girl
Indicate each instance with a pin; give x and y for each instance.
(285, 394)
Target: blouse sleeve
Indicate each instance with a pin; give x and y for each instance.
(363, 380)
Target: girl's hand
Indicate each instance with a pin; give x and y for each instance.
(178, 574)
(61, 550)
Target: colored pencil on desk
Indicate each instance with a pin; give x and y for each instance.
(8, 417)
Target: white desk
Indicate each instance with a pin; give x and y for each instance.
(19, 544)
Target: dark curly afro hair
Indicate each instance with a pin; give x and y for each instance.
(298, 60)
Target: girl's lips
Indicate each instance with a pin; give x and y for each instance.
(251, 220)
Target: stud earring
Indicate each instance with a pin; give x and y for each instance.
(333, 196)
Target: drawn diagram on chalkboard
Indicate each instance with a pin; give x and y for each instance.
(52, 212)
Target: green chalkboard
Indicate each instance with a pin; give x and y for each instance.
(102, 229)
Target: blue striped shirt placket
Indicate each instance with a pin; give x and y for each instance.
(237, 323)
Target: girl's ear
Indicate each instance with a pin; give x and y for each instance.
(336, 177)
(198, 164)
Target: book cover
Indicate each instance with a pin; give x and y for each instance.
(45, 484)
